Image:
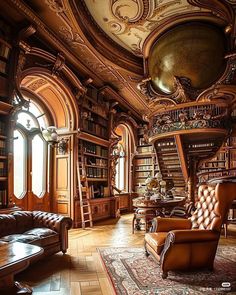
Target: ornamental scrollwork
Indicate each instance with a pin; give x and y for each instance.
(205, 116)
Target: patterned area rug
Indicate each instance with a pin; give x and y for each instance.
(132, 273)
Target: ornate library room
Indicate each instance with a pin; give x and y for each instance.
(117, 147)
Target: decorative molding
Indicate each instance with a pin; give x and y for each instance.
(184, 92)
(197, 116)
(129, 22)
(59, 64)
(105, 45)
(37, 84)
(218, 8)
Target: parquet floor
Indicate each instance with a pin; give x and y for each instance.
(80, 271)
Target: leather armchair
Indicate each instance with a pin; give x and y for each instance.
(189, 244)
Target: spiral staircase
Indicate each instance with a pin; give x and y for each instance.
(187, 134)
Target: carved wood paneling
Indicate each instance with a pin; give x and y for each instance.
(62, 173)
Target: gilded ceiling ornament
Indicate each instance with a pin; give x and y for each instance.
(129, 22)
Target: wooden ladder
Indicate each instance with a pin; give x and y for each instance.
(83, 189)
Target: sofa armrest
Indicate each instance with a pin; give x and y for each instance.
(56, 222)
(193, 236)
(161, 224)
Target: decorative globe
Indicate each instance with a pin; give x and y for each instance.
(193, 50)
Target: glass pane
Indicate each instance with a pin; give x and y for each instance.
(27, 120)
(38, 166)
(34, 109)
(121, 185)
(19, 164)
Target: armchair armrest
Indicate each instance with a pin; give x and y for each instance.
(191, 236)
(53, 221)
(56, 222)
(168, 224)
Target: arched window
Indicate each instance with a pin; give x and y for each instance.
(124, 150)
(120, 168)
(30, 152)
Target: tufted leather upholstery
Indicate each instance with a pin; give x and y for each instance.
(191, 243)
(44, 229)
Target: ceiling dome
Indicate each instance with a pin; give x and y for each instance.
(193, 50)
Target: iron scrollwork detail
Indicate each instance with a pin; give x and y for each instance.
(205, 116)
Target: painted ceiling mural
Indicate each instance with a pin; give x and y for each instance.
(129, 22)
(106, 38)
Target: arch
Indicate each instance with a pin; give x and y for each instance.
(54, 95)
(126, 150)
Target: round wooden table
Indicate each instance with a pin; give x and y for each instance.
(147, 209)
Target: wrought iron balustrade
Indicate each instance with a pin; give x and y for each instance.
(191, 117)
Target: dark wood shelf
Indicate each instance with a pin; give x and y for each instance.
(3, 178)
(94, 155)
(96, 166)
(94, 112)
(96, 179)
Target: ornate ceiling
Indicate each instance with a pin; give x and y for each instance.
(110, 40)
(129, 22)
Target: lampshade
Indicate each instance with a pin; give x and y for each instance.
(50, 134)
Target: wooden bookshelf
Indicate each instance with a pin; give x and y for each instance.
(5, 107)
(3, 160)
(145, 163)
(223, 160)
(94, 114)
(93, 156)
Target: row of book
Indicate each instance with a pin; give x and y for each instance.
(93, 172)
(142, 173)
(148, 167)
(4, 51)
(97, 109)
(98, 191)
(2, 128)
(3, 66)
(145, 149)
(2, 147)
(95, 149)
(95, 161)
(144, 161)
(142, 141)
(3, 198)
(96, 129)
(3, 169)
(140, 181)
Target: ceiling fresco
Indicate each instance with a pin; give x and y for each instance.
(129, 22)
(110, 41)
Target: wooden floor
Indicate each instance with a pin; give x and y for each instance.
(80, 271)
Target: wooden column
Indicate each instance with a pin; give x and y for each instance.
(192, 180)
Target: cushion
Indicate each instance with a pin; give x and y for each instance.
(156, 241)
(7, 225)
(19, 238)
(46, 235)
(40, 232)
(24, 221)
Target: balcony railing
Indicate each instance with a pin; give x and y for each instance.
(191, 117)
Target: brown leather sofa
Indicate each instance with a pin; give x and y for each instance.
(189, 244)
(47, 230)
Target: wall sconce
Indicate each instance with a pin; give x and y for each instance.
(51, 136)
